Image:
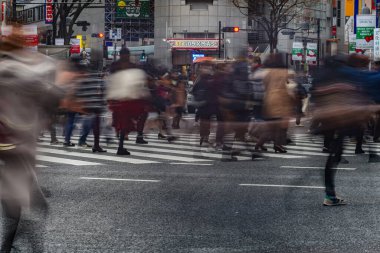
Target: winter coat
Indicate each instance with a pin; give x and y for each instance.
(278, 103)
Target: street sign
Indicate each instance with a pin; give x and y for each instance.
(297, 51)
(311, 51)
(364, 31)
(115, 34)
(376, 48)
(287, 32)
(352, 43)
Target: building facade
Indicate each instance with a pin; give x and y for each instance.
(185, 29)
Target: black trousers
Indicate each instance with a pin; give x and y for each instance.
(336, 139)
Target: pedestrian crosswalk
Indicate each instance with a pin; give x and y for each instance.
(185, 150)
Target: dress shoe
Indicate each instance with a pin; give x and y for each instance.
(99, 150)
(359, 151)
(122, 151)
(161, 136)
(140, 140)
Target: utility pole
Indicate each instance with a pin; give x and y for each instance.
(318, 41)
(14, 11)
(220, 39)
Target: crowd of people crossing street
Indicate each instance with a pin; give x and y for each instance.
(243, 106)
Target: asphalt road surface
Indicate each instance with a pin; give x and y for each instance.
(181, 198)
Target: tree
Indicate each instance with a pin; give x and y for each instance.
(272, 16)
(66, 13)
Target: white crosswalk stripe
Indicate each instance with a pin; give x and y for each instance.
(185, 150)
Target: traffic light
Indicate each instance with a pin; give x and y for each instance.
(232, 29)
(83, 24)
(98, 35)
(143, 57)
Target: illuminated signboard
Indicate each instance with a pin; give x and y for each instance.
(49, 12)
(206, 44)
(196, 56)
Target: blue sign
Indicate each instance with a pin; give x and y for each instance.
(196, 56)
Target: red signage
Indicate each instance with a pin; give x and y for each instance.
(49, 12)
(2, 11)
(74, 49)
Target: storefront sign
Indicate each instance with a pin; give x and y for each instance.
(196, 56)
(133, 9)
(30, 36)
(376, 48)
(364, 31)
(49, 12)
(59, 42)
(352, 44)
(3, 11)
(297, 51)
(350, 8)
(27, 32)
(206, 44)
(311, 51)
(75, 46)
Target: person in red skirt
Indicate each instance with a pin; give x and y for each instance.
(128, 97)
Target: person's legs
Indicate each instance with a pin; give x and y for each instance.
(69, 127)
(327, 140)
(204, 118)
(220, 129)
(52, 130)
(359, 140)
(121, 150)
(96, 131)
(87, 125)
(11, 217)
(140, 128)
(333, 160)
(376, 128)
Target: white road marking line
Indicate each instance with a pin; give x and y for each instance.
(284, 186)
(64, 161)
(197, 164)
(120, 179)
(41, 166)
(305, 167)
(93, 156)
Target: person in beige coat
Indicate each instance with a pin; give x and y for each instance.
(278, 104)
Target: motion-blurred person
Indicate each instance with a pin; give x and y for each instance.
(206, 93)
(340, 107)
(90, 94)
(278, 104)
(26, 91)
(178, 98)
(162, 101)
(128, 95)
(257, 129)
(124, 63)
(68, 77)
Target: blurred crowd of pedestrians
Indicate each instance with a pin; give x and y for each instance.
(250, 100)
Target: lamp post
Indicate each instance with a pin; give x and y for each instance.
(220, 39)
(318, 41)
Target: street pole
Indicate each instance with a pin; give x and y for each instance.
(220, 39)
(14, 11)
(318, 41)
